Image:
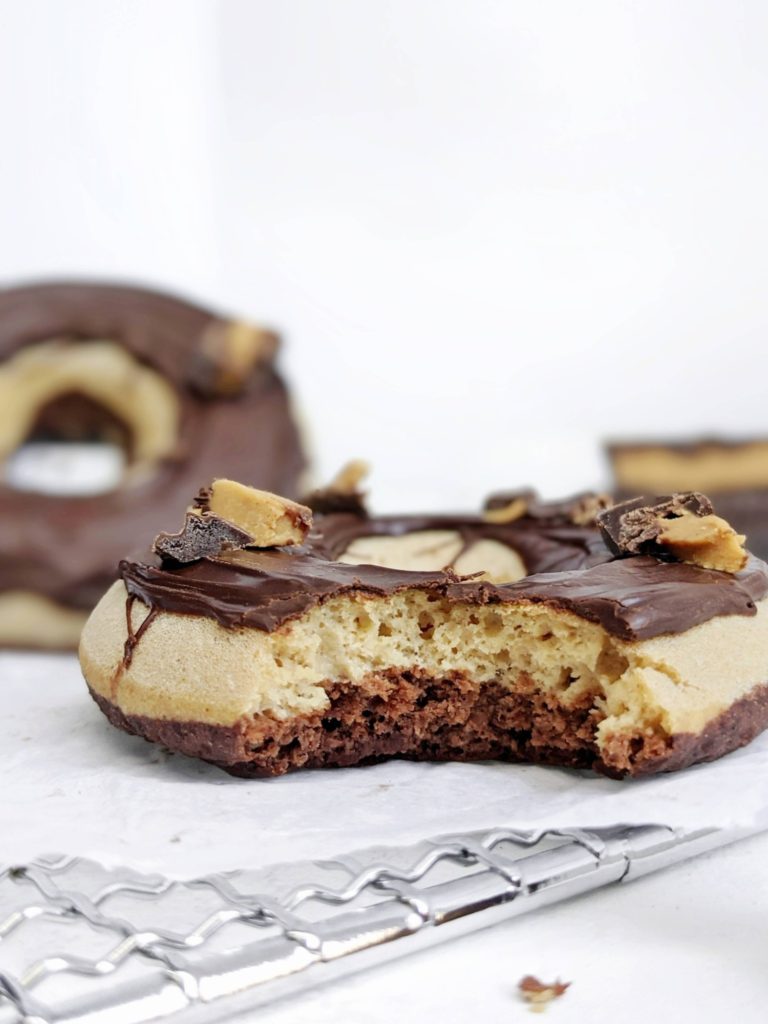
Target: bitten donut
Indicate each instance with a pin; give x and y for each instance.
(186, 393)
(631, 639)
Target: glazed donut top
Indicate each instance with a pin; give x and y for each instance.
(555, 562)
(189, 393)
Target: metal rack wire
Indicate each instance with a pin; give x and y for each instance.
(80, 940)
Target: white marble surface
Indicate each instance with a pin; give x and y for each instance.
(690, 938)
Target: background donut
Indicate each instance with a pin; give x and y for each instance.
(187, 394)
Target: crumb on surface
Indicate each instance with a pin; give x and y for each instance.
(539, 993)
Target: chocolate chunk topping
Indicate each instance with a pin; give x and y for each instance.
(203, 536)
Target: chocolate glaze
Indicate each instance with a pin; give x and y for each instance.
(67, 548)
(571, 568)
(543, 547)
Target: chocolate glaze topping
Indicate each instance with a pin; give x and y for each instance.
(542, 547)
(67, 547)
(633, 598)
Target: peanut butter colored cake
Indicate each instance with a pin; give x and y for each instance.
(266, 636)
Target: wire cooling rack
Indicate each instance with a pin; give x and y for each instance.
(81, 941)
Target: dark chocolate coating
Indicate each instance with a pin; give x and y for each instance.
(68, 548)
(571, 568)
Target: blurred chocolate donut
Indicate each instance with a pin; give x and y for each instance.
(187, 395)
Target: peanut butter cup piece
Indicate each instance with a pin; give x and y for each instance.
(578, 510)
(231, 352)
(269, 520)
(681, 526)
(539, 993)
(343, 493)
(228, 516)
(514, 509)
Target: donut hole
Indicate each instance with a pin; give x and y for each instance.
(75, 446)
(74, 417)
(83, 417)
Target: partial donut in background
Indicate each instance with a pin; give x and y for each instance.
(187, 394)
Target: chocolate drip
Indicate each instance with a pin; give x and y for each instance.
(134, 636)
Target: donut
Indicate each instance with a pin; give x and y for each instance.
(185, 392)
(630, 639)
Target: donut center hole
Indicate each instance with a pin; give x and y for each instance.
(75, 446)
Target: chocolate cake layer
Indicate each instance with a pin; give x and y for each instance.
(67, 548)
(448, 719)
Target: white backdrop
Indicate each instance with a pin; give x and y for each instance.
(493, 231)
